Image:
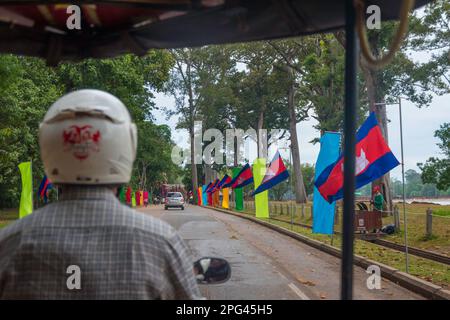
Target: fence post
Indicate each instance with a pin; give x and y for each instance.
(336, 215)
(291, 211)
(429, 222)
(281, 207)
(303, 210)
(396, 218)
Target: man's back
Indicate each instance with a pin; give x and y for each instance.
(120, 253)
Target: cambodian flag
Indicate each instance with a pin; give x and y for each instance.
(374, 158)
(225, 180)
(276, 173)
(244, 177)
(213, 186)
(43, 188)
(228, 184)
(208, 187)
(128, 196)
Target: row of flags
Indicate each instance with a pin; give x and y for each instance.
(44, 187)
(374, 158)
(276, 173)
(133, 199)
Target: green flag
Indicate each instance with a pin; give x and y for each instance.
(133, 200)
(122, 194)
(238, 193)
(26, 198)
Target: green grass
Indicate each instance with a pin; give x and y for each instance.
(428, 270)
(439, 242)
(442, 213)
(7, 216)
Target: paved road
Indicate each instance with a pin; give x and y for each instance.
(265, 264)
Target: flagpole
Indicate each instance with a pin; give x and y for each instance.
(32, 183)
(403, 183)
(292, 186)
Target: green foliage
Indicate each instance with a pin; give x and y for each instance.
(436, 170)
(153, 164)
(308, 171)
(29, 87)
(132, 79)
(28, 90)
(281, 190)
(414, 187)
(442, 213)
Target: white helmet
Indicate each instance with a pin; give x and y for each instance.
(87, 137)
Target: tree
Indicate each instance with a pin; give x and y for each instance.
(436, 170)
(308, 171)
(27, 89)
(153, 165)
(132, 79)
(193, 79)
(260, 100)
(289, 55)
(30, 87)
(404, 76)
(413, 183)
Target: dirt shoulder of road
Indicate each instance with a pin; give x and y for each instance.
(430, 271)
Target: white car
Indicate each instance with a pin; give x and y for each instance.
(174, 200)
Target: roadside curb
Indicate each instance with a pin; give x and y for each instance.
(412, 283)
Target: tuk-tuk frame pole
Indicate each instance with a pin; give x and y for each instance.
(351, 89)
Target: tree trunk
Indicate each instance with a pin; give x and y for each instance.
(260, 145)
(380, 111)
(193, 165)
(299, 186)
(371, 80)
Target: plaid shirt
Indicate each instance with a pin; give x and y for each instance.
(121, 254)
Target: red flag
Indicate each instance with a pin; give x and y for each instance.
(128, 195)
(244, 177)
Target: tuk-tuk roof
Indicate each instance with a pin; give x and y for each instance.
(110, 28)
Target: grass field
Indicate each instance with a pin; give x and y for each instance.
(439, 242)
(7, 216)
(435, 272)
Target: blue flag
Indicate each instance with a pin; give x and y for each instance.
(205, 195)
(43, 188)
(374, 158)
(323, 212)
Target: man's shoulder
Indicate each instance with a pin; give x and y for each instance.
(145, 223)
(117, 216)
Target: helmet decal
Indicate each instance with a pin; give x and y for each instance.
(81, 140)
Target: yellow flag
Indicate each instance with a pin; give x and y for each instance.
(26, 197)
(133, 200)
(261, 199)
(225, 198)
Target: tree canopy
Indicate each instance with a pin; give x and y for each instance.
(29, 87)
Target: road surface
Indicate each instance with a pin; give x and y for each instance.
(265, 264)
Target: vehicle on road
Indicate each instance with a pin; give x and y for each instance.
(174, 200)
